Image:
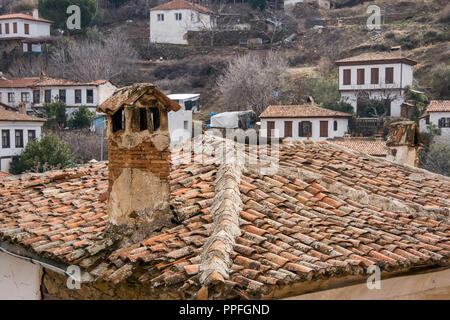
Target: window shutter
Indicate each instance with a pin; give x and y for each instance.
(374, 76)
(300, 129)
(389, 75)
(347, 77)
(360, 76)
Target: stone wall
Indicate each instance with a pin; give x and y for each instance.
(221, 38)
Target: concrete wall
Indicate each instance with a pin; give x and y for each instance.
(175, 31)
(279, 125)
(19, 279)
(435, 285)
(7, 153)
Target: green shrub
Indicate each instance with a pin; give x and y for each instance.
(55, 113)
(41, 155)
(82, 118)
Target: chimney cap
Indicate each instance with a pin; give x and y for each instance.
(404, 133)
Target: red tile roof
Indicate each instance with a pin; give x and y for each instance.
(301, 111)
(6, 115)
(45, 82)
(365, 145)
(23, 16)
(4, 174)
(439, 106)
(327, 213)
(182, 4)
(376, 57)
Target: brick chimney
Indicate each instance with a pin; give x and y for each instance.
(404, 142)
(139, 156)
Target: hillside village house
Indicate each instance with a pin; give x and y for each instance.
(302, 122)
(146, 225)
(17, 130)
(437, 113)
(180, 122)
(170, 22)
(379, 76)
(34, 92)
(31, 30)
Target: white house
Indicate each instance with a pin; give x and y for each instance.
(17, 130)
(437, 113)
(379, 76)
(30, 29)
(170, 22)
(180, 122)
(33, 93)
(301, 122)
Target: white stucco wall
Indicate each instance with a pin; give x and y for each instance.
(7, 153)
(279, 125)
(37, 28)
(434, 119)
(177, 122)
(19, 279)
(174, 31)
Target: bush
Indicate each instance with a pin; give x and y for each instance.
(82, 118)
(56, 114)
(440, 82)
(38, 156)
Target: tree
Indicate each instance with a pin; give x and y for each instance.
(55, 112)
(251, 82)
(440, 82)
(56, 11)
(421, 101)
(437, 159)
(82, 118)
(91, 59)
(41, 155)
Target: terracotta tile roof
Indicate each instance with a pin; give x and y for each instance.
(6, 115)
(23, 16)
(182, 4)
(4, 174)
(365, 145)
(373, 57)
(439, 106)
(327, 213)
(45, 82)
(300, 111)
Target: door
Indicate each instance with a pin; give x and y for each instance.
(323, 129)
(288, 129)
(270, 128)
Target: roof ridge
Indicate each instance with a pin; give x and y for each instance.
(216, 260)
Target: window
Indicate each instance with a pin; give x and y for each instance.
(11, 97)
(160, 17)
(323, 129)
(186, 125)
(155, 118)
(335, 125)
(444, 123)
(288, 129)
(36, 96)
(27, 28)
(77, 96)
(188, 105)
(25, 97)
(62, 96)
(48, 96)
(29, 47)
(178, 16)
(31, 135)
(143, 119)
(374, 76)
(305, 129)
(361, 75)
(19, 138)
(270, 128)
(1, 29)
(90, 96)
(7, 28)
(14, 27)
(118, 120)
(389, 75)
(347, 77)
(5, 139)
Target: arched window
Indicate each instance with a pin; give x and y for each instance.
(335, 125)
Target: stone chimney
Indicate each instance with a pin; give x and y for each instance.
(139, 157)
(404, 142)
(35, 13)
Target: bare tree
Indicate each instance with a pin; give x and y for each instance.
(27, 66)
(251, 82)
(89, 60)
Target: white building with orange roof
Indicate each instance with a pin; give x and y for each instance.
(34, 92)
(170, 22)
(30, 29)
(438, 113)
